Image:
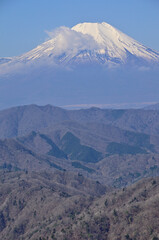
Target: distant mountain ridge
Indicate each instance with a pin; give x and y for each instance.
(152, 107)
(19, 121)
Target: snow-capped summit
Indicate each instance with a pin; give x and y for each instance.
(115, 44)
(97, 43)
(80, 51)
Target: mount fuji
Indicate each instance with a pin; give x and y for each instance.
(89, 43)
(88, 64)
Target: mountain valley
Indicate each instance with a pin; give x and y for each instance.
(78, 174)
(114, 147)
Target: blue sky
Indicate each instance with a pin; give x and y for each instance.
(23, 22)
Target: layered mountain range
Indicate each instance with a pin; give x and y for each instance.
(61, 172)
(114, 147)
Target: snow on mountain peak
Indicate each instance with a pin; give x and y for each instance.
(96, 30)
(115, 43)
(88, 42)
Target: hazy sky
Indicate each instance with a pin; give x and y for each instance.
(23, 22)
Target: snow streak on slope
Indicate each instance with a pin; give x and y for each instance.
(97, 43)
(63, 47)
